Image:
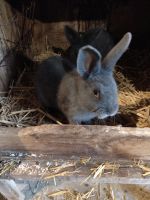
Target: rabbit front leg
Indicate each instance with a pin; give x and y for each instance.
(74, 120)
(78, 119)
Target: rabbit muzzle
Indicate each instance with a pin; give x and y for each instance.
(107, 112)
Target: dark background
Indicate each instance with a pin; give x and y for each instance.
(121, 15)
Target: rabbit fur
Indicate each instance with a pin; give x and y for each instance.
(84, 91)
(99, 38)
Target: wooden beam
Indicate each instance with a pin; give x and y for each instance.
(76, 171)
(45, 147)
(104, 142)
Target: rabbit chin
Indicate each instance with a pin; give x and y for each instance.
(102, 116)
(84, 117)
(105, 115)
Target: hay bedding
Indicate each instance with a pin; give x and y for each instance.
(20, 108)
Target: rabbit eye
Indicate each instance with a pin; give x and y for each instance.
(96, 93)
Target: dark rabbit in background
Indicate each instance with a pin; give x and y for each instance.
(83, 92)
(99, 38)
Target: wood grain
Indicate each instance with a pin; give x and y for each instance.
(38, 146)
(105, 142)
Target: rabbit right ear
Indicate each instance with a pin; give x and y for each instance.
(116, 52)
(71, 35)
(88, 61)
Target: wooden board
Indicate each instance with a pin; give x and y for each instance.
(75, 171)
(78, 148)
(104, 142)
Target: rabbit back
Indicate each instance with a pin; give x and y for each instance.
(48, 77)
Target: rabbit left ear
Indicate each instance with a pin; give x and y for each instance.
(88, 61)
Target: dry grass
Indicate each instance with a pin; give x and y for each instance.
(98, 191)
(132, 102)
(94, 192)
(7, 166)
(20, 109)
(70, 168)
(73, 195)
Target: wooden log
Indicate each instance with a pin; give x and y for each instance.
(76, 171)
(43, 147)
(105, 142)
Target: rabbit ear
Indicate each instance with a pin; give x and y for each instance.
(71, 35)
(116, 52)
(88, 61)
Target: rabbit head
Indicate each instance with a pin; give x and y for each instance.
(97, 37)
(94, 94)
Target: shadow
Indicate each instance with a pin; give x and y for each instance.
(17, 62)
(64, 10)
(135, 65)
(121, 16)
(125, 120)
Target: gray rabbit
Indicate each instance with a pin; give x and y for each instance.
(99, 38)
(83, 92)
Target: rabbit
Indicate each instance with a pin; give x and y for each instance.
(83, 92)
(98, 38)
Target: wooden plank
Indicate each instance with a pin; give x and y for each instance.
(105, 142)
(45, 147)
(33, 172)
(65, 171)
